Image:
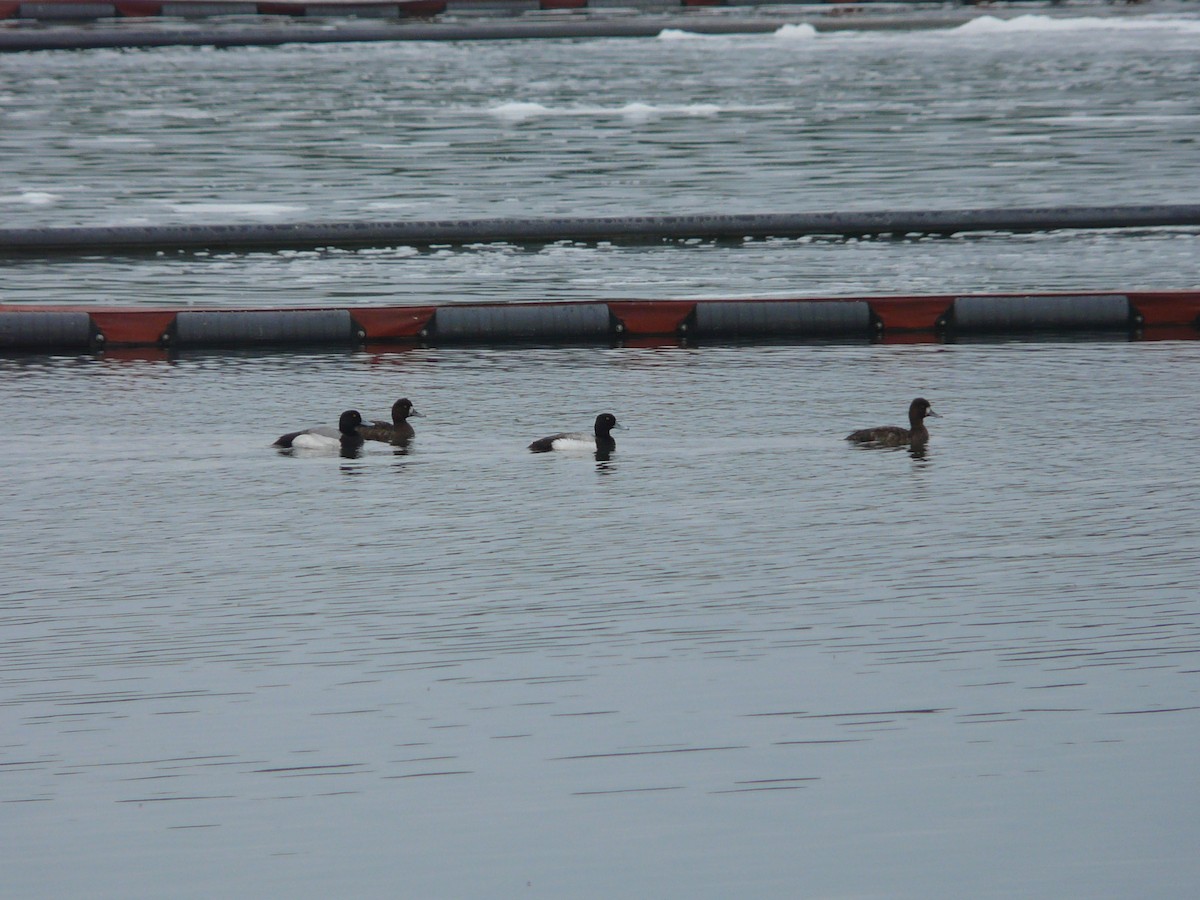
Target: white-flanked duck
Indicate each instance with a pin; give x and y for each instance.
(325, 437)
(600, 442)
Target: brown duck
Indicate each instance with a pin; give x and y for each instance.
(916, 434)
(396, 432)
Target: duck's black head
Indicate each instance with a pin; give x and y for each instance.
(605, 422)
(919, 409)
(402, 409)
(348, 422)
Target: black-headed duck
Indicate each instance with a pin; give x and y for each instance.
(916, 434)
(398, 431)
(325, 437)
(601, 441)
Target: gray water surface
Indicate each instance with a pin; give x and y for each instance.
(1036, 111)
(1084, 112)
(738, 657)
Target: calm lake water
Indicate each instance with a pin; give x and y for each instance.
(738, 658)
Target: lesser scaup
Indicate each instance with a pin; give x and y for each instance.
(398, 431)
(601, 441)
(915, 435)
(323, 437)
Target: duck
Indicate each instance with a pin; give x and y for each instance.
(600, 442)
(915, 435)
(398, 431)
(323, 437)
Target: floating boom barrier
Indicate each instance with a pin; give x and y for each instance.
(91, 240)
(68, 329)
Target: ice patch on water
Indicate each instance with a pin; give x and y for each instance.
(1036, 23)
(113, 140)
(641, 112)
(150, 112)
(678, 34)
(1114, 121)
(255, 210)
(802, 32)
(391, 204)
(637, 110)
(516, 111)
(798, 32)
(32, 198)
